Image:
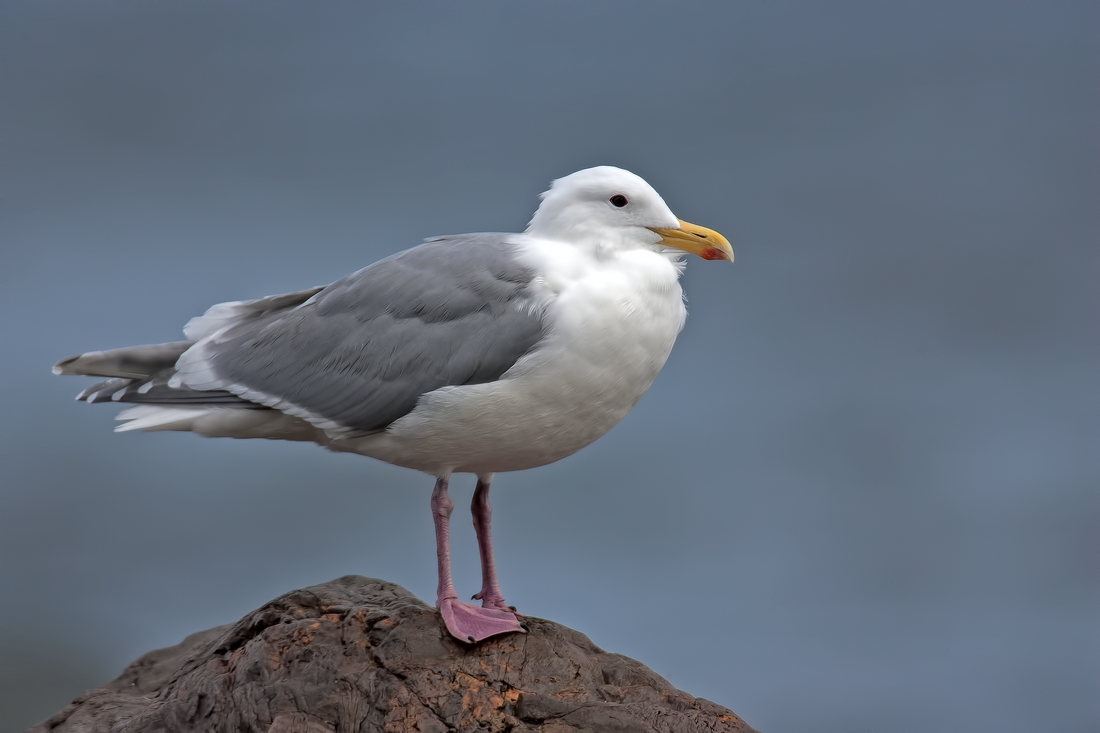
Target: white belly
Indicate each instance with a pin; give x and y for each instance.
(613, 326)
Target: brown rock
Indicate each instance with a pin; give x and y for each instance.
(358, 654)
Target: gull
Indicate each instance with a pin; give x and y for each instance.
(474, 353)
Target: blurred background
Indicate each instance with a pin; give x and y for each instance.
(860, 497)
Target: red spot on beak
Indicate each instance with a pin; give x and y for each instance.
(712, 253)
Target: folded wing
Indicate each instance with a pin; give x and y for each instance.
(349, 358)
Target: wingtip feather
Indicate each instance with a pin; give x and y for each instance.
(61, 366)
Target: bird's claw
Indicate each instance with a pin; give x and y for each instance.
(488, 601)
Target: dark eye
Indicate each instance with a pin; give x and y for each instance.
(618, 200)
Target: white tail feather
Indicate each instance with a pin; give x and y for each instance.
(219, 422)
(157, 417)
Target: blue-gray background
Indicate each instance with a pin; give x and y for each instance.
(862, 496)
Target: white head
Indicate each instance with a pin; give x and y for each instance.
(613, 209)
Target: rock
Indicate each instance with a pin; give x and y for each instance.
(358, 654)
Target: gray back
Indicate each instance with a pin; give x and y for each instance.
(456, 310)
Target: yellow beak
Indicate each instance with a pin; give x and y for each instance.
(707, 243)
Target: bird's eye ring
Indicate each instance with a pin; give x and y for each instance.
(618, 200)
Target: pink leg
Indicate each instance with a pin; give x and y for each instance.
(465, 622)
(442, 506)
(490, 595)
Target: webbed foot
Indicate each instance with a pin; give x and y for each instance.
(472, 624)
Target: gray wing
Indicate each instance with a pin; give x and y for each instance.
(360, 353)
(142, 373)
(135, 362)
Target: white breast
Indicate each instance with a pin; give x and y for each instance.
(613, 321)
